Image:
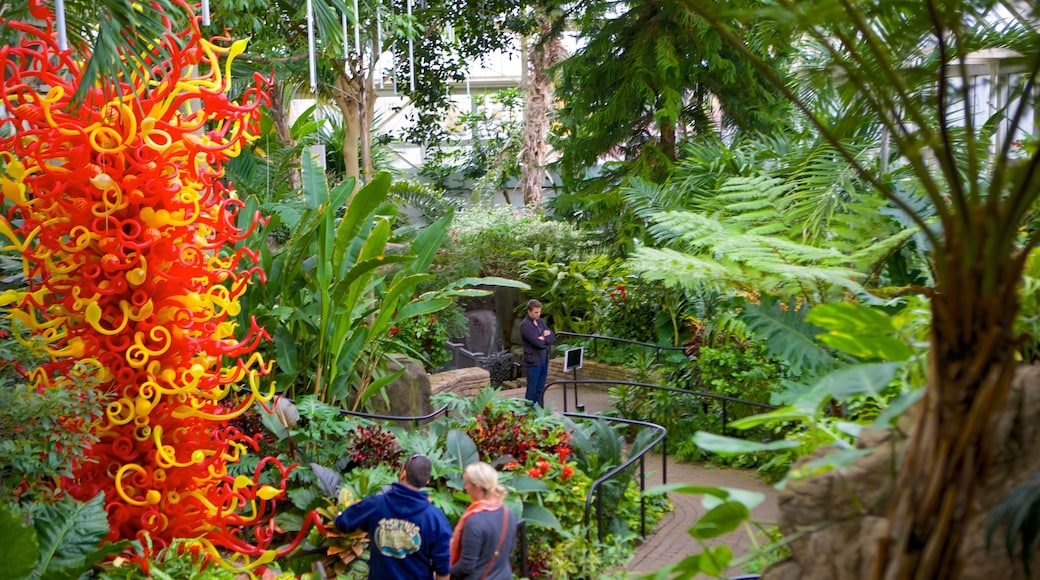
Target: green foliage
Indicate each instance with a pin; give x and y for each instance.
(183, 558)
(571, 291)
(481, 146)
(42, 435)
(833, 407)
(62, 542)
(488, 241)
(1018, 514)
(788, 335)
(647, 72)
(726, 511)
(423, 337)
(334, 291)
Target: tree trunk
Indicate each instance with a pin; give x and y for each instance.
(545, 51)
(280, 117)
(348, 98)
(972, 362)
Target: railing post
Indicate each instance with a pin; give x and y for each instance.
(599, 514)
(642, 496)
(521, 530)
(664, 459)
(725, 420)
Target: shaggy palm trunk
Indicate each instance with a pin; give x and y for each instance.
(545, 52)
(972, 362)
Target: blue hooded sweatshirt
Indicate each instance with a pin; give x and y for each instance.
(408, 536)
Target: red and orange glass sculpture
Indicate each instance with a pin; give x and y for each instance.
(127, 231)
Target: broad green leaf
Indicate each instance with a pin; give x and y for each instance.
(377, 386)
(349, 283)
(732, 446)
(69, 531)
(851, 318)
(848, 382)
(720, 520)
(289, 521)
(749, 499)
(460, 449)
(830, 461)
(687, 489)
(897, 406)
(422, 307)
(790, 413)
(20, 550)
(715, 560)
(364, 203)
(868, 346)
(270, 420)
(536, 515)
(859, 330)
(523, 483)
(401, 288)
(315, 188)
(490, 281)
(285, 350)
(429, 241)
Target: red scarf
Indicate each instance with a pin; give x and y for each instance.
(484, 505)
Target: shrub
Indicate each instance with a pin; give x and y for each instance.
(485, 240)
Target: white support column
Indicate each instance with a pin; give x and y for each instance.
(59, 12)
(310, 47)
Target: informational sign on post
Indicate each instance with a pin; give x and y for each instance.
(573, 358)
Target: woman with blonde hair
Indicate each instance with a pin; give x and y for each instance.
(483, 538)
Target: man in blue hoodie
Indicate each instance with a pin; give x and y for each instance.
(409, 538)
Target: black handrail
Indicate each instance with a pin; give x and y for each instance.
(725, 399)
(640, 456)
(415, 419)
(597, 337)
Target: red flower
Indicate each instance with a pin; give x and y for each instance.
(533, 472)
(568, 471)
(544, 466)
(394, 330)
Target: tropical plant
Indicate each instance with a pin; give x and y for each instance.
(571, 291)
(43, 435)
(489, 240)
(982, 197)
(63, 539)
(331, 294)
(648, 75)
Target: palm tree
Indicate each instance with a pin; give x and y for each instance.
(544, 52)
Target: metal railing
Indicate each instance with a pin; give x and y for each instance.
(640, 456)
(416, 420)
(703, 394)
(657, 348)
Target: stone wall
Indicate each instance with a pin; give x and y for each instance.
(468, 382)
(590, 371)
(465, 382)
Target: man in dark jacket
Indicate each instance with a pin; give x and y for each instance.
(409, 538)
(537, 339)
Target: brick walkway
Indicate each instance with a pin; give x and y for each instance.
(670, 542)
